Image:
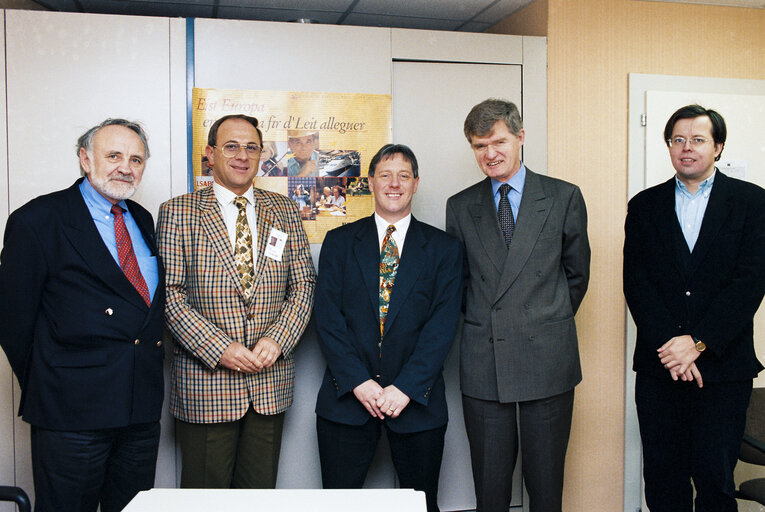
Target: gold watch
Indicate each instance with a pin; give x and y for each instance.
(700, 345)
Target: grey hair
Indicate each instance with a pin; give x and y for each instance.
(86, 139)
(481, 119)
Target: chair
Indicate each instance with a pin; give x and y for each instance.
(17, 494)
(753, 447)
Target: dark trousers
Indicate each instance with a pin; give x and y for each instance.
(77, 471)
(690, 434)
(493, 430)
(241, 454)
(346, 452)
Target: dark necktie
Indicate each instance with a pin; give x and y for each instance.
(388, 268)
(505, 214)
(243, 248)
(128, 262)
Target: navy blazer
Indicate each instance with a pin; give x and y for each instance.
(85, 347)
(419, 329)
(711, 293)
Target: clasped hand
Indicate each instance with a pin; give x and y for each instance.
(380, 402)
(239, 358)
(678, 356)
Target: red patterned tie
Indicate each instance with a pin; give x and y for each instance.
(128, 263)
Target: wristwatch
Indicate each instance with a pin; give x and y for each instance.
(700, 346)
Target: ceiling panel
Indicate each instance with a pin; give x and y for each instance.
(243, 13)
(462, 15)
(463, 10)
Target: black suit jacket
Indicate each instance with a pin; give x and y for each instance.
(711, 293)
(419, 329)
(83, 344)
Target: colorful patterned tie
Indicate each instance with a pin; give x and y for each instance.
(243, 248)
(128, 262)
(388, 268)
(505, 214)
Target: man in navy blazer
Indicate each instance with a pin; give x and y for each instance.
(83, 341)
(386, 377)
(694, 276)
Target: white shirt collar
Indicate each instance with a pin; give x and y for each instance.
(226, 197)
(402, 226)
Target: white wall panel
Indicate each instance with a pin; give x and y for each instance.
(291, 57)
(67, 72)
(7, 404)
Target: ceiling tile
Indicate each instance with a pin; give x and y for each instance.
(262, 14)
(474, 26)
(380, 20)
(452, 10)
(501, 10)
(167, 9)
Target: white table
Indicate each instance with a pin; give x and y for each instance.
(279, 500)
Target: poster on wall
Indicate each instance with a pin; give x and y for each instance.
(316, 148)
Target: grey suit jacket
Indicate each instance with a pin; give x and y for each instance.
(519, 337)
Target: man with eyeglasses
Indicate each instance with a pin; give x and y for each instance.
(240, 284)
(694, 276)
(304, 145)
(82, 303)
(527, 267)
(385, 335)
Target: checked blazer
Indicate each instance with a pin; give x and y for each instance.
(207, 310)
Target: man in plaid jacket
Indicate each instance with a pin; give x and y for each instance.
(235, 329)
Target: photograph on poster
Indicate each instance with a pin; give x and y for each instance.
(314, 146)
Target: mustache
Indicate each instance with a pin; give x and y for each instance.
(120, 176)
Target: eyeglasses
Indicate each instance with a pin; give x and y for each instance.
(231, 149)
(693, 141)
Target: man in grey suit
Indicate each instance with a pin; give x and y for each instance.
(527, 260)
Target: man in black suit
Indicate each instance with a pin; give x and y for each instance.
(386, 316)
(81, 304)
(694, 276)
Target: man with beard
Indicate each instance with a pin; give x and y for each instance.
(81, 304)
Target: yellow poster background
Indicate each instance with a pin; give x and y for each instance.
(349, 129)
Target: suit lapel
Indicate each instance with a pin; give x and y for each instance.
(484, 216)
(664, 220)
(715, 217)
(367, 253)
(86, 240)
(535, 208)
(217, 236)
(409, 268)
(266, 220)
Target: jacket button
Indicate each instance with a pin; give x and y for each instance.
(491, 340)
(527, 306)
(688, 293)
(137, 341)
(159, 343)
(250, 316)
(531, 338)
(377, 376)
(109, 311)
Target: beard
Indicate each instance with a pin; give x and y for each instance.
(116, 186)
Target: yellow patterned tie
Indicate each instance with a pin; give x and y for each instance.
(388, 268)
(243, 248)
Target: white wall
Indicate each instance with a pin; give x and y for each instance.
(67, 72)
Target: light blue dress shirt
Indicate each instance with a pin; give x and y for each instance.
(516, 191)
(100, 210)
(690, 208)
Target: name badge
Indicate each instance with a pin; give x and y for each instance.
(276, 242)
